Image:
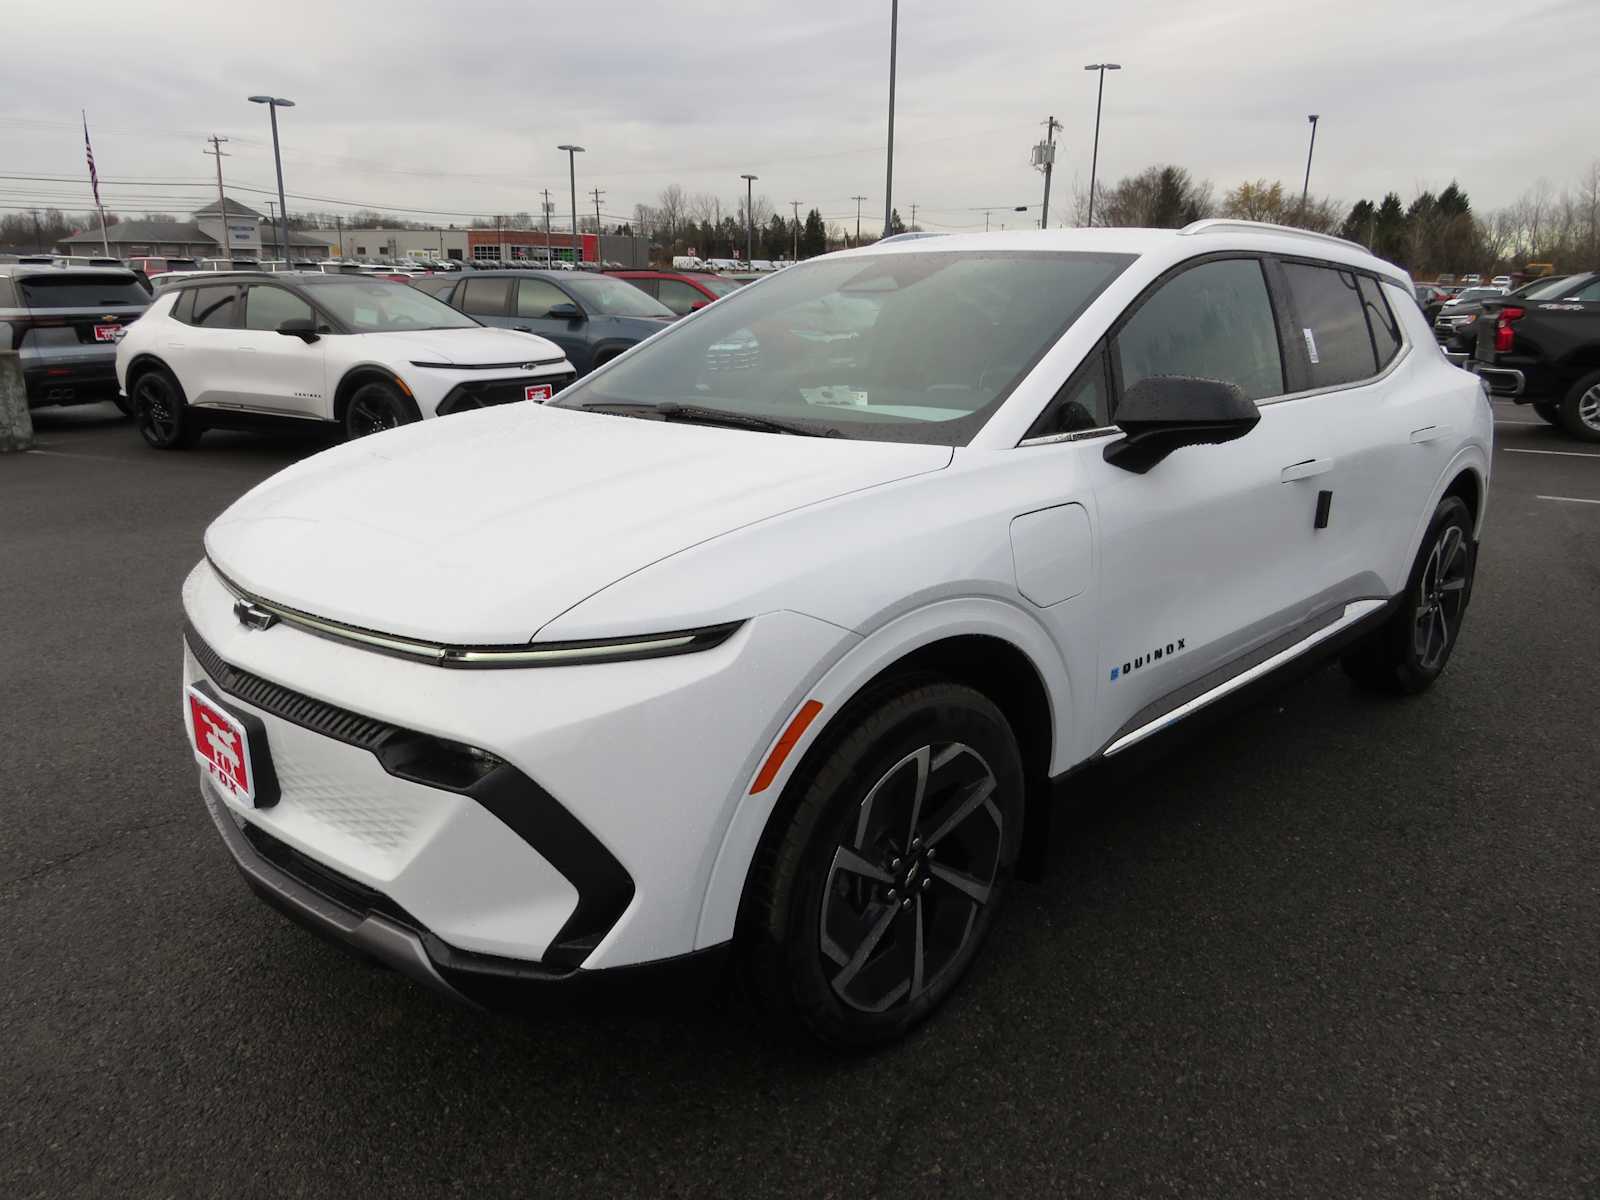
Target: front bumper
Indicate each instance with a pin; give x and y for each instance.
(604, 861)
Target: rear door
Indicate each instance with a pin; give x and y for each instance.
(488, 298)
(203, 356)
(276, 372)
(681, 297)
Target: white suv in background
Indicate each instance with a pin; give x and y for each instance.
(779, 654)
(247, 350)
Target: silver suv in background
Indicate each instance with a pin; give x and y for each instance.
(65, 323)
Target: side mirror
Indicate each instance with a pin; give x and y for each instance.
(698, 305)
(1166, 412)
(565, 311)
(303, 328)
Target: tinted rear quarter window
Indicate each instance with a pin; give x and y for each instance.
(1331, 321)
(1213, 321)
(8, 294)
(1381, 321)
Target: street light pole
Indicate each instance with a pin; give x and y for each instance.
(1310, 150)
(888, 181)
(274, 103)
(572, 182)
(1094, 161)
(749, 218)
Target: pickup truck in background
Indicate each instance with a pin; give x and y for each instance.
(1544, 349)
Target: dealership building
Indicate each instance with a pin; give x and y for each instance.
(211, 232)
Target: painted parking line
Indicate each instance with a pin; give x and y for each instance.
(1560, 453)
(1570, 499)
(1503, 421)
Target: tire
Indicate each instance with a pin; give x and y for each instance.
(1548, 411)
(161, 413)
(124, 405)
(1579, 412)
(845, 882)
(1411, 649)
(374, 407)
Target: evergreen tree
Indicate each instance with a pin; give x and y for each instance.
(1358, 226)
(813, 236)
(1389, 230)
(776, 238)
(896, 225)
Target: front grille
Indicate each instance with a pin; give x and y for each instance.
(485, 393)
(341, 724)
(326, 882)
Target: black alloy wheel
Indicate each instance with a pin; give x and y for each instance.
(376, 407)
(160, 414)
(885, 863)
(1412, 647)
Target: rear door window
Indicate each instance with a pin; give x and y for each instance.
(679, 296)
(485, 297)
(8, 294)
(216, 307)
(1331, 321)
(1214, 321)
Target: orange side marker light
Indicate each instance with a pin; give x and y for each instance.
(797, 728)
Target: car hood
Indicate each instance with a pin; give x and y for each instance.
(635, 327)
(469, 347)
(482, 527)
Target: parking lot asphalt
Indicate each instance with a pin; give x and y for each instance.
(1328, 946)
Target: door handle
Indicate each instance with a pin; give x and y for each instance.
(1308, 469)
(1428, 433)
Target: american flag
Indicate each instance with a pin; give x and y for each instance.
(94, 177)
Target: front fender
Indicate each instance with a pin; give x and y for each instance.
(858, 664)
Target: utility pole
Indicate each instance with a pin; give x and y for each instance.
(913, 226)
(986, 220)
(338, 222)
(597, 193)
(1044, 156)
(546, 194)
(796, 205)
(858, 200)
(888, 179)
(219, 154)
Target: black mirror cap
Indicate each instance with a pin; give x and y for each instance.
(566, 311)
(303, 328)
(1167, 412)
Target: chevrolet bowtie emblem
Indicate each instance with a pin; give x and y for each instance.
(253, 616)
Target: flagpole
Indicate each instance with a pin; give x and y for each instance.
(94, 183)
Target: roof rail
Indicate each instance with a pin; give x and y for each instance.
(1230, 225)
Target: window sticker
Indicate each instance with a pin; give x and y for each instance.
(1311, 346)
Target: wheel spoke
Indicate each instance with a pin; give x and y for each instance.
(846, 859)
(919, 956)
(924, 762)
(961, 808)
(868, 945)
(974, 889)
(1453, 585)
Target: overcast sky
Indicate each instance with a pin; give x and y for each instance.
(459, 106)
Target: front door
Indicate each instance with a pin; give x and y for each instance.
(276, 372)
(1207, 561)
(533, 302)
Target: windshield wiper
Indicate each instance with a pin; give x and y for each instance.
(692, 413)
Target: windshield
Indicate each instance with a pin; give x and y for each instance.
(383, 306)
(615, 297)
(82, 289)
(918, 347)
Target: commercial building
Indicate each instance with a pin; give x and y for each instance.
(237, 232)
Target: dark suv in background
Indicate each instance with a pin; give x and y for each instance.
(65, 323)
(593, 318)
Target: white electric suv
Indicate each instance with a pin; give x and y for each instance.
(770, 635)
(253, 350)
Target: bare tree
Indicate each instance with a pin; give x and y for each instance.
(671, 208)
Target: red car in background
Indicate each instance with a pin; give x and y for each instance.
(681, 291)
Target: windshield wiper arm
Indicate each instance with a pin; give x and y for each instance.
(715, 416)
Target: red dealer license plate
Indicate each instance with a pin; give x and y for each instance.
(222, 746)
(538, 391)
(107, 333)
